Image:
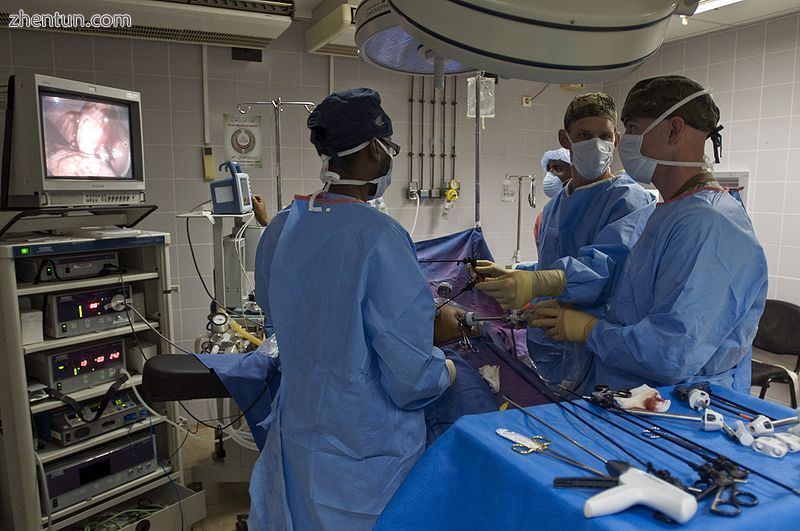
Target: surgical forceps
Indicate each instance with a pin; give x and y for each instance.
(464, 342)
(538, 444)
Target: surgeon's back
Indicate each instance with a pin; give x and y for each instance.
(354, 321)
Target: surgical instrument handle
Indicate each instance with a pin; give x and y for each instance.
(637, 487)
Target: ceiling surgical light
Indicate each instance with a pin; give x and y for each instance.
(562, 41)
(383, 43)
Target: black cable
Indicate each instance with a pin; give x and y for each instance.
(185, 438)
(197, 268)
(203, 282)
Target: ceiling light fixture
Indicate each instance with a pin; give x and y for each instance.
(708, 5)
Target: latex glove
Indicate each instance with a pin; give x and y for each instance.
(517, 288)
(563, 324)
(451, 370)
(486, 269)
(260, 210)
(447, 325)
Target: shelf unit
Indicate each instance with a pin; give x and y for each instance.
(145, 259)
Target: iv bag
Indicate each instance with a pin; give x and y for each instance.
(487, 97)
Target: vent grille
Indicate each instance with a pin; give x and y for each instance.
(165, 34)
(257, 6)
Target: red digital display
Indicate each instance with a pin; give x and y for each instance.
(100, 359)
(94, 305)
(84, 363)
(114, 356)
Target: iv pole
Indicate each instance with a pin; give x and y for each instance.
(277, 106)
(478, 78)
(531, 201)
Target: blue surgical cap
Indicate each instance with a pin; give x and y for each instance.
(346, 119)
(555, 154)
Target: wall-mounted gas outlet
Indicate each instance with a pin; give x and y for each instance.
(412, 192)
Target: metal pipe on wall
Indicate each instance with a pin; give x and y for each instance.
(411, 134)
(454, 103)
(443, 133)
(421, 153)
(478, 78)
(432, 153)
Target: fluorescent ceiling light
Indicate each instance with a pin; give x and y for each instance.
(708, 5)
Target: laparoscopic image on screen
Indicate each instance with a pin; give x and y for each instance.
(85, 139)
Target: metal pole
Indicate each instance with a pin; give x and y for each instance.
(276, 105)
(421, 153)
(433, 137)
(442, 140)
(478, 78)
(454, 103)
(411, 135)
(517, 252)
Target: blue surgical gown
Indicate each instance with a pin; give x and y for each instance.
(586, 233)
(688, 301)
(353, 315)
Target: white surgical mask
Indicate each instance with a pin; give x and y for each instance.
(592, 157)
(330, 177)
(551, 185)
(640, 167)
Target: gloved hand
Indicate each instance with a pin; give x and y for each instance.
(517, 288)
(487, 269)
(563, 324)
(451, 370)
(447, 325)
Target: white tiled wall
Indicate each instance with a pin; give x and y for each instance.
(169, 78)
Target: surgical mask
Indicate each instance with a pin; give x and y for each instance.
(551, 185)
(592, 157)
(330, 177)
(640, 167)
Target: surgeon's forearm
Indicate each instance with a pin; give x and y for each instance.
(646, 350)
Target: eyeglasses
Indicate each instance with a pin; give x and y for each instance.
(391, 147)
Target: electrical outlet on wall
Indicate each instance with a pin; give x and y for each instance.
(527, 101)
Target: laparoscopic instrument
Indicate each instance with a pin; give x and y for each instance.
(624, 485)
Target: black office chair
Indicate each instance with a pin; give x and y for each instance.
(779, 333)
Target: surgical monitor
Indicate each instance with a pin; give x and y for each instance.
(69, 144)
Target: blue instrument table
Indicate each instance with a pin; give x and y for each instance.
(471, 479)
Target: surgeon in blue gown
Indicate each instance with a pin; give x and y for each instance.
(354, 319)
(587, 230)
(687, 303)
